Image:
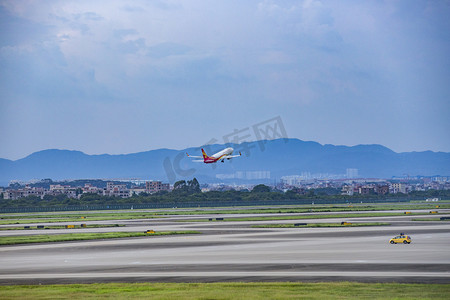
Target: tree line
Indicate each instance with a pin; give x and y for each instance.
(189, 191)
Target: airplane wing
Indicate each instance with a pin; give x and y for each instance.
(194, 156)
(231, 156)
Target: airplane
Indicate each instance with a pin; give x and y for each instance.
(219, 156)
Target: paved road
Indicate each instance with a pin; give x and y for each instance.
(233, 251)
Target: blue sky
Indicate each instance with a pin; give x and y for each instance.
(129, 76)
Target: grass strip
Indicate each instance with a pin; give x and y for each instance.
(62, 227)
(300, 217)
(305, 209)
(431, 219)
(22, 220)
(313, 225)
(299, 209)
(272, 290)
(46, 238)
(80, 215)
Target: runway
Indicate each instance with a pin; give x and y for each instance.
(234, 251)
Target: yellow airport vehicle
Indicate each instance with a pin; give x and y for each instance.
(399, 239)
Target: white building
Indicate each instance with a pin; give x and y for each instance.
(352, 173)
(398, 188)
(117, 190)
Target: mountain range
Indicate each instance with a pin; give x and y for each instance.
(261, 161)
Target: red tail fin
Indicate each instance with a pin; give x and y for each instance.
(205, 156)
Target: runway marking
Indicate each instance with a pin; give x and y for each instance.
(234, 252)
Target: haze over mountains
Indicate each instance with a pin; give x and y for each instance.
(260, 161)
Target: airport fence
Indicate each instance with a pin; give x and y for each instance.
(199, 204)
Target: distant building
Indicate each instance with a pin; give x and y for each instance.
(399, 188)
(137, 190)
(296, 180)
(116, 190)
(89, 188)
(14, 194)
(249, 175)
(156, 186)
(291, 180)
(432, 199)
(349, 190)
(352, 173)
(366, 189)
(25, 192)
(57, 189)
(382, 189)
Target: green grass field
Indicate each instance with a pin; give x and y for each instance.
(31, 218)
(305, 217)
(313, 225)
(52, 218)
(312, 208)
(48, 238)
(276, 290)
(25, 218)
(62, 227)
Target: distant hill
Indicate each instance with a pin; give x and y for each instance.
(260, 160)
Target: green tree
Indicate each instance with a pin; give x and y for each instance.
(261, 188)
(180, 185)
(193, 186)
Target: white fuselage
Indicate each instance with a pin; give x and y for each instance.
(223, 154)
(226, 153)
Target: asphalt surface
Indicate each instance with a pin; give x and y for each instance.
(234, 251)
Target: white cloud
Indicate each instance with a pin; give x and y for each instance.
(246, 59)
